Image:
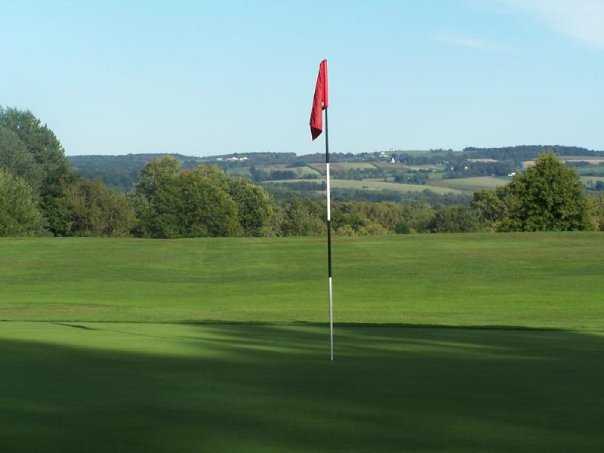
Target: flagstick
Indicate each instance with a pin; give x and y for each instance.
(330, 279)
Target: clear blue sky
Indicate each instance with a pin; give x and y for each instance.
(200, 77)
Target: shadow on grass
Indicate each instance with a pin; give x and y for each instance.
(240, 387)
(214, 322)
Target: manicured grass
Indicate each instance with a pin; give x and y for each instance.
(101, 387)
(450, 343)
(536, 280)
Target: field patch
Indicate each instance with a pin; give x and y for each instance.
(375, 185)
(300, 171)
(592, 179)
(343, 166)
(472, 184)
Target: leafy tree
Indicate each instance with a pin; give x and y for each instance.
(171, 203)
(597, 210)
(98, 211)
(490, 207)
(206, 208)
(255, 207)
(402, 228)
(547, 197)
(302, 217)
(47, 152)
(157, 199)
(15, 158)
(19, 213)
(417, 216)
(454, 219)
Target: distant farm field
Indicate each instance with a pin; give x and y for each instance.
(592, 179)
(378, 185)
(343, 166)
(476, 342)
(472, 184)
(300, 171)
(592, 170)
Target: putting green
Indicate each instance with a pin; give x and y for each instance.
(450, 343)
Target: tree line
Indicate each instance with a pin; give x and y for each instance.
(41, 194)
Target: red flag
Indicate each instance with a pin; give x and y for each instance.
(319, 102)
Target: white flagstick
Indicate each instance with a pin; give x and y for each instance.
(329, 270)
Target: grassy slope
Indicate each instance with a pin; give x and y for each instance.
(77, 386)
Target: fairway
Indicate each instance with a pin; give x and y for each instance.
(475, 342)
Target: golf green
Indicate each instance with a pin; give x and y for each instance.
(443, 343)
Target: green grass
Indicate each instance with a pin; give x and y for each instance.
(377, 185)
(472, 184)
(301, 171)
(344, 166)
(445, 343)
(476, 183)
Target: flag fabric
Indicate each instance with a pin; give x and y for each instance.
(320, 102)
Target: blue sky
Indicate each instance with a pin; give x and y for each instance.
(200, 78)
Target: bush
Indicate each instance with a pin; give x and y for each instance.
(402, 228)
(597, 211)
(455, 219)
(302, 217)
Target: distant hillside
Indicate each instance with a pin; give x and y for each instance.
(518, 154)
(121, 172)
(394, 166)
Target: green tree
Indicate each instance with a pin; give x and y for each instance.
(15, 158)
(19, 213)
(207, 208)
(98, 211)
(597, 210)
(454, 219)
(157, 199)
(171, 203)
(255, 207)
(548, 196)
(48, 154)
(302, 217)
(490, 207)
